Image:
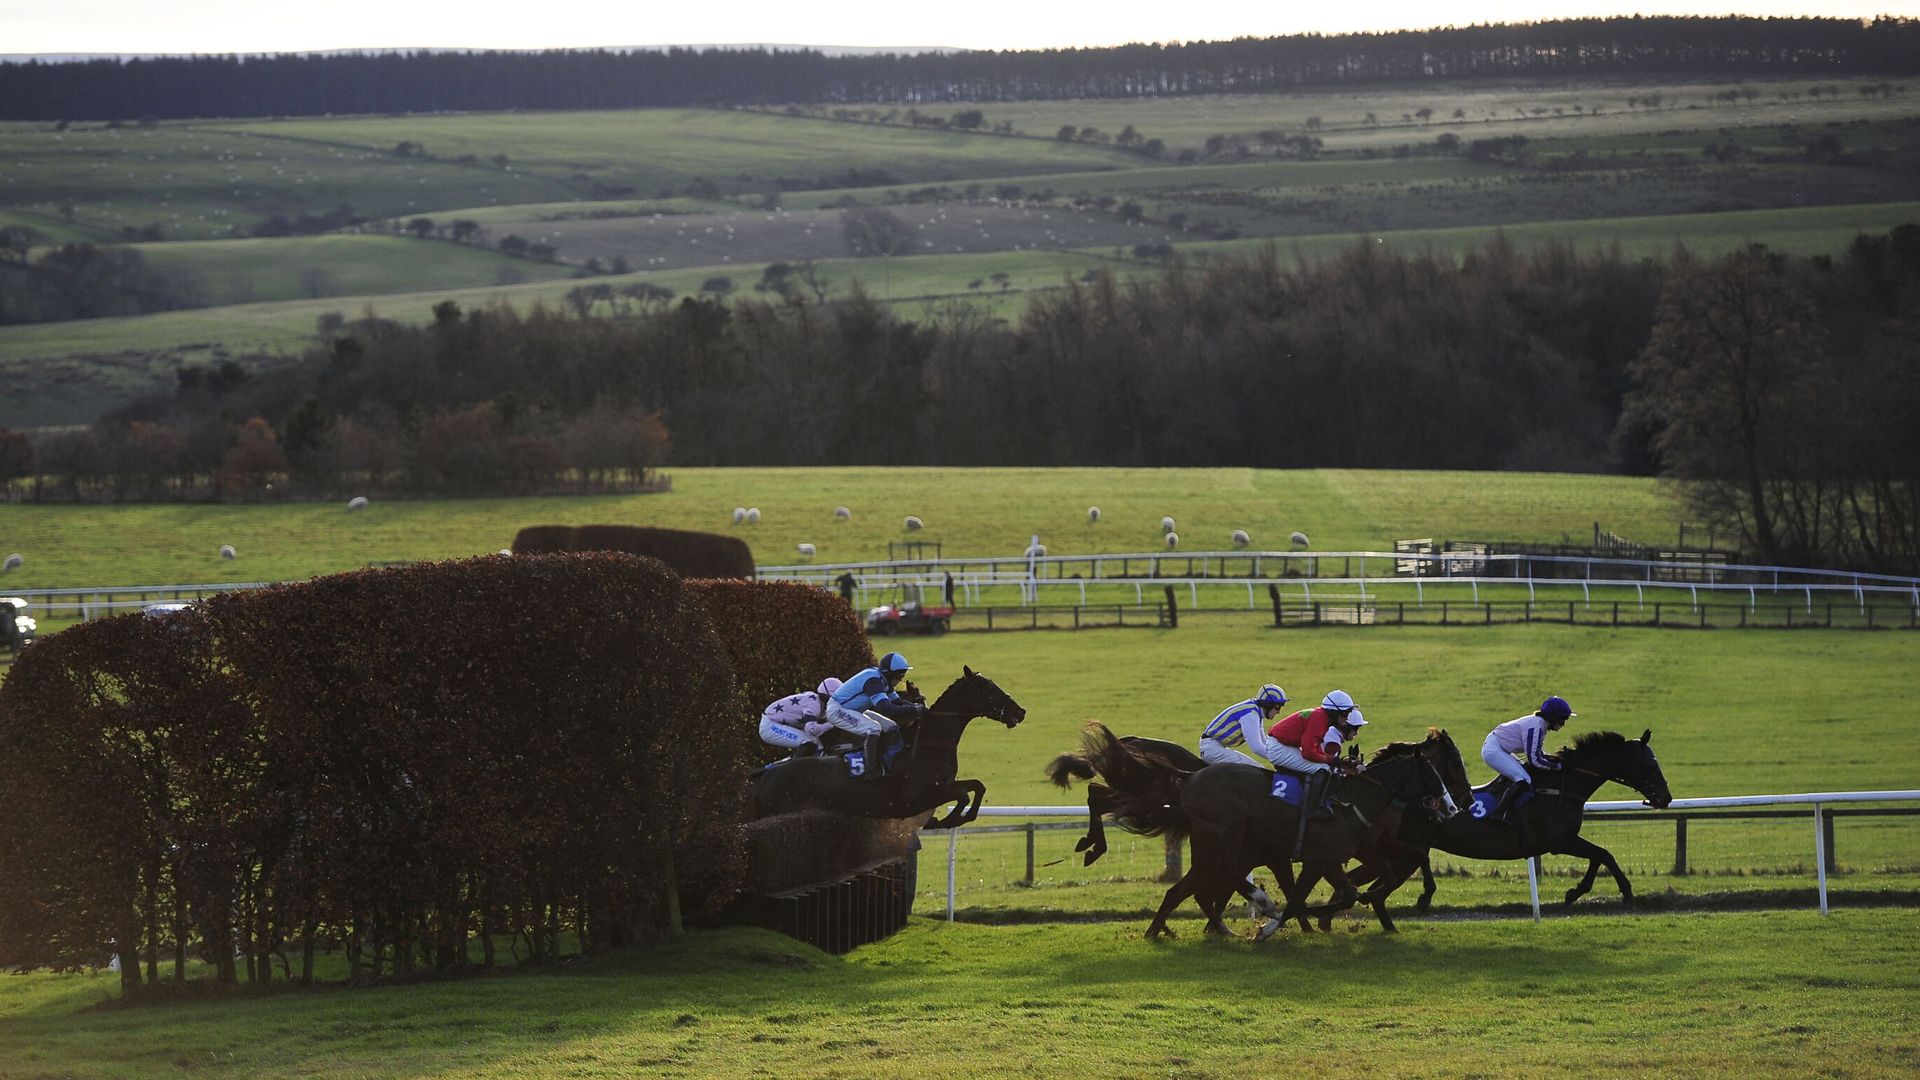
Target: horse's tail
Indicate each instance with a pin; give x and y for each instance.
(1143, 792)
(1068, 767)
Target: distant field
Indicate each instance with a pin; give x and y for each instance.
(336, 265)
(967, 511)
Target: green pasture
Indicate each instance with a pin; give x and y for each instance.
(1706, 995)
(337, 265)
(972, 512)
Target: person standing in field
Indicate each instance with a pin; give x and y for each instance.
(1526, 737)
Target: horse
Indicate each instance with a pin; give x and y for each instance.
(1548, 823)
(1134, 779)
(921, 776)
(1237, 823)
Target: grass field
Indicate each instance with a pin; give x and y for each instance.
(978, 512)
(1652, 995)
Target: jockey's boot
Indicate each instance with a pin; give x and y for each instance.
(871, 749)
(1503, 809)
(1316, 802)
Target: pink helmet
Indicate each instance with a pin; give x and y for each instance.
(827, 685)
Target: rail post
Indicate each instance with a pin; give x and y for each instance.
(1826, 831)
(1174, 870)
(1273, 593)
(1680, 846)
(953, 851)
(1820, 853)
(1173, 610)
(1030, 831)
(1533, 885)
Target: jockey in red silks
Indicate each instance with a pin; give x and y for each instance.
(1300, 742)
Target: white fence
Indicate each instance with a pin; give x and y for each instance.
(1819, 819)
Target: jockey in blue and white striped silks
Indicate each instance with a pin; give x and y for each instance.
(1242, 724)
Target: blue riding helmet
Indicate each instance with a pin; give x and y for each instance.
(1556, 708)
(1272, 695)
(893, 664)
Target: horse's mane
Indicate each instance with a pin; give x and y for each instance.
(1394, 750)
(1596, 741)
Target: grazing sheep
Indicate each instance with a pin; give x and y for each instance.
(1166, 524)
(506, 551)
(227, 552)
(806, 551)
(1299, 539)
(913, 523)
(1093, 513)
(13, 563)
(841, 513)
(753, 515)
(358, 502)
(1240, 538)
(739, 514)
(1173, 539)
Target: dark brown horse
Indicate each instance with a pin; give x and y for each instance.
(1236, 823)
(921, 777)
(1136, 780)
(1549, 823)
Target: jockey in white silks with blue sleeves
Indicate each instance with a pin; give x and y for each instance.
(1526, 737)
(1242, 724)
(850, 708)
(798, 719)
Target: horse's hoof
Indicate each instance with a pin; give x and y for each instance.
(1421, 905)
(1085, 843)
(1572, 895)
(1326, 923)
(1268, 929)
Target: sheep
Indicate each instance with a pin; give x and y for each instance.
(1240, 538)
(1093, 514)
(806, 550)
(358, 502)
(841, 513)
(739, 514)
(1173, 539)
(227, 552)
(1299, 539)
(753, 515)
(506, 551)
(1166, 524)
(13, 563)
(912, 523)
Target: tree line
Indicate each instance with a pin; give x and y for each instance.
(421, 81)
(1713, 371)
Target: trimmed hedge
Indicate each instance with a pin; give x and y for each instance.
(398, 761)
(691, 554)
(780, 637)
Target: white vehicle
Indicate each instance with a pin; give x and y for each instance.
(16, 626)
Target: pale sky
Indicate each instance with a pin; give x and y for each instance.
(255, 26)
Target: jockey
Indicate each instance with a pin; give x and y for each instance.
(850, 708)
(796, 720)
(1241, 724)
(1525, 736)
(1309, 742)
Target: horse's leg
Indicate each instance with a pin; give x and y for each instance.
(1176, 892)
(1596, 856)
(1426, 881)
(1095, 842)
(1391, 876)
(966, 796)
(1297, 894)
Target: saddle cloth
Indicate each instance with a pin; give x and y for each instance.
(1487, 796)
(1289, 787)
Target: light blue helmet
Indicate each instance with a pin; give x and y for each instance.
(1270, 694)
(893, 664)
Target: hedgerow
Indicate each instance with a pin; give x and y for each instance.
(397, 761)
(691, 554)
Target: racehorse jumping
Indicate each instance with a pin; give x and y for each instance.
(1548, 824)
(1136, 780)
(921, 776)
(1237, 823)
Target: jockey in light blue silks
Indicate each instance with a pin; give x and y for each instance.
(851, 707)
(1527, 737)
(798, 719)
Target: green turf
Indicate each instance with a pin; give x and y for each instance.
(1709, 995)
(246, 271)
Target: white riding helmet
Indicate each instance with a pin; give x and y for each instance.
(827, 685)
(1337, 701)
(1354, 719)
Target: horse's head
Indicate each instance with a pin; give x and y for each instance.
(973, 694)
(1624, 761)
(1440, 751)
(1418, 772)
